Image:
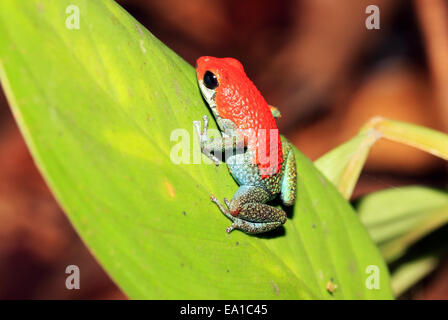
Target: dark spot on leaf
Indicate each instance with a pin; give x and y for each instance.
(237, 243)
(276, 288)
(140, 30)
(352, 266)
(184, 213)
(114, 20)
(322, 180)
(314, 226)
(227, 270)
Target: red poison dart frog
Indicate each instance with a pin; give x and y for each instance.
(261, 161)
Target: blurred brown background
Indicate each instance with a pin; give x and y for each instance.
(313, 59)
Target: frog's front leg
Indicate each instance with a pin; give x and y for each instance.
(220, 144)
(204, 140)
(249, 213)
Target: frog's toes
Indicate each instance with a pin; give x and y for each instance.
(197, 125)
(223, 209)
(230, 228)
(203, 138)
(227, 202)
(216, 201)
(205, 119)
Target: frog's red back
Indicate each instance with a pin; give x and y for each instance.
(237, 99)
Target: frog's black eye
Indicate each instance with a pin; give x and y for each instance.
(210, 80)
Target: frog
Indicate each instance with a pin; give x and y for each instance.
(248, 137)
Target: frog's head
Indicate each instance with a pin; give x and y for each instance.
(226, 88)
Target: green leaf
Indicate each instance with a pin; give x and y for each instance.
(98, 107)
(343, 164)
(412, 271)
(397, 218)
(422, 138)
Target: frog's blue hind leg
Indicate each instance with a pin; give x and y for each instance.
(248, 211)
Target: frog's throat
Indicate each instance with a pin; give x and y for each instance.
(219, 120)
